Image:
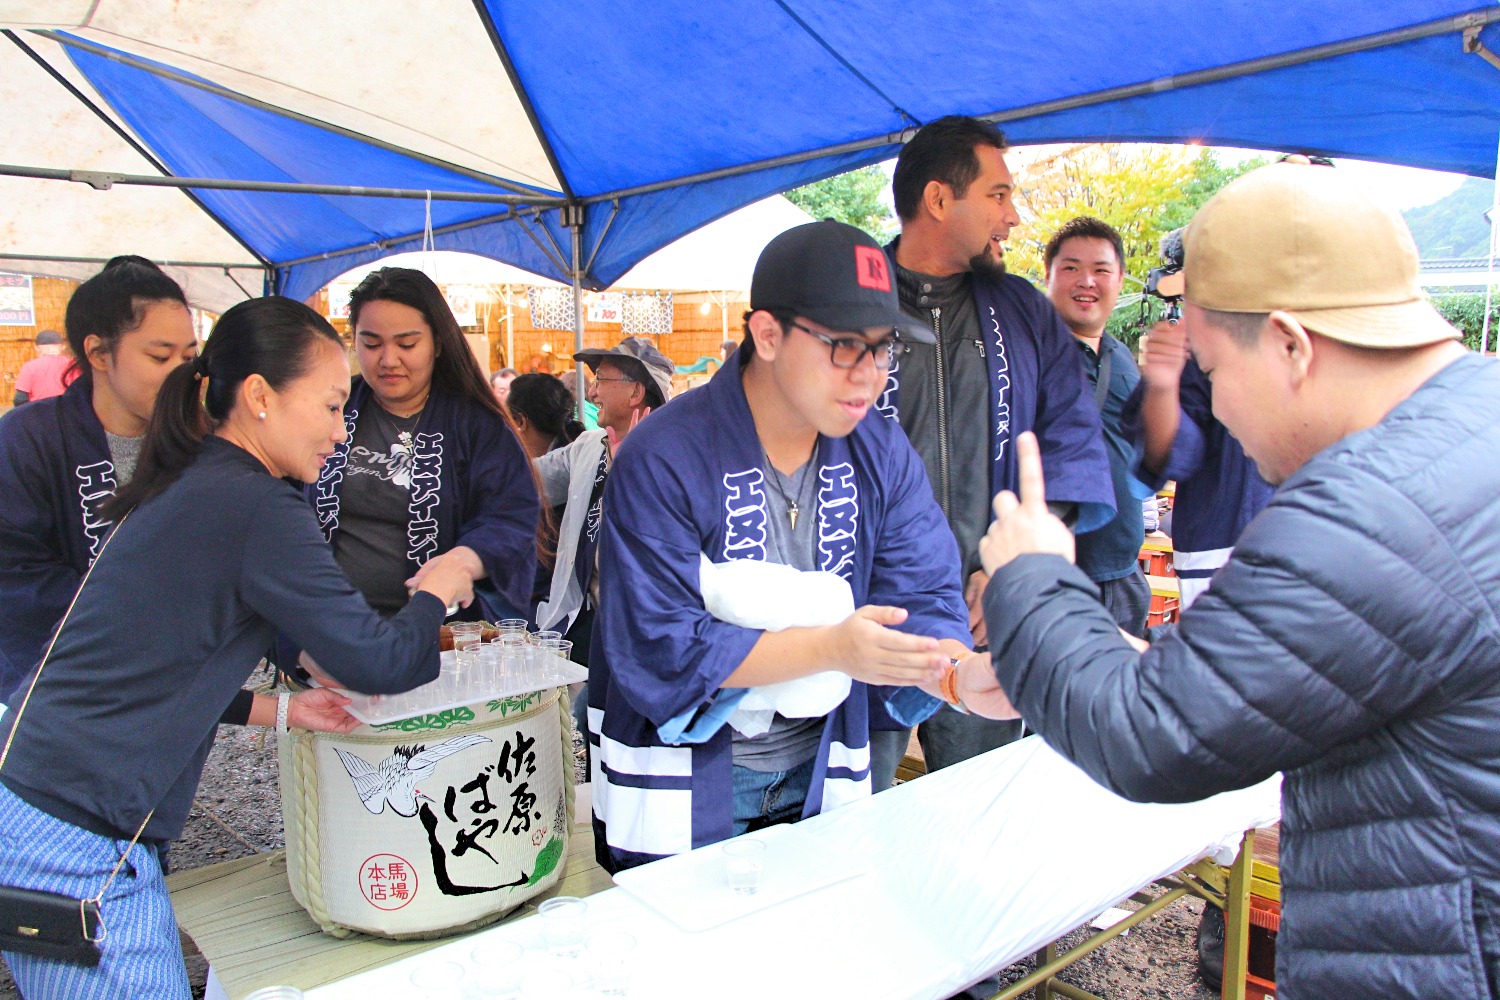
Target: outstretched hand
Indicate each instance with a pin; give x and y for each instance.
(868, 648)
(1023, 524)
(321, 710)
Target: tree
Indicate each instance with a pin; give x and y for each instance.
(854, 197)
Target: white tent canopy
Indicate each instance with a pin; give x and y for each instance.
(719, 257)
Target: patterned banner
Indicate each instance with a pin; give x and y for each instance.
(647, 312)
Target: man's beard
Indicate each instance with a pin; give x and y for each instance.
(987, 265)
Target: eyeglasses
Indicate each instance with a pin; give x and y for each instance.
(603, 378)
(848, 352)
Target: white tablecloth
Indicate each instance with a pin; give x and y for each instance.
(964, 871)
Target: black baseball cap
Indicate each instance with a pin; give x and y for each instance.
(835, 275)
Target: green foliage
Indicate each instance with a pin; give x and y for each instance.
(1465, 310)
(1208, 176)
(1454, 226)
(1144, 191)
(854, 197)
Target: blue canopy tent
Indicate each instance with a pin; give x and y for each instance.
(575, 139)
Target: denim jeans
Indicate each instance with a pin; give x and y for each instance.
(765, 798)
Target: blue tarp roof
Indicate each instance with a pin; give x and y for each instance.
(677, 90)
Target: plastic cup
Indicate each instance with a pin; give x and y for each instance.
(466, 659)
(546, 984)
(612, 960)
(490, 664)
(562, 925)
(745, 862)
(557, 651)
(276, 993)
(513, 651)
(538, 638)
(466, 635)
(512, 625)
(437, 979)
(501, 965)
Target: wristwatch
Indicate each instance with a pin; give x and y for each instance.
(283, 701)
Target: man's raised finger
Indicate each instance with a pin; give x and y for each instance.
(1029, 467)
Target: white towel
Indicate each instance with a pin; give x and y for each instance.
(771, 596)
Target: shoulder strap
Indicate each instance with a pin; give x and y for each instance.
(1101, 387)
(16, 722)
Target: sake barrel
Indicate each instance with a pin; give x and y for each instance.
(431, 825)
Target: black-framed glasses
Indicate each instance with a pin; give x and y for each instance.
(848, 352)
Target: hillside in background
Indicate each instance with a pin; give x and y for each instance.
(1454, 226)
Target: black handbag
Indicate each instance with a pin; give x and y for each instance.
(49, 924)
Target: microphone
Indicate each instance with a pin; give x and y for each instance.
(1171, 247)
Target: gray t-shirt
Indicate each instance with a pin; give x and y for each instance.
(124, 452)
(373, 508)
(788, 742)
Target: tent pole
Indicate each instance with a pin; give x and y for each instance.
(103, 180)
(1489, 281)
(572, 217)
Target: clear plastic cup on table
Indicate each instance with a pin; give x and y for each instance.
(554, 663)
(276, 993)
(513, 654)
(546, 984)
(562, 919)
(490, 670)
(512, 625)
(501, 965)
(436, 978)
(611, 955)
(744, 864)
(465, 662)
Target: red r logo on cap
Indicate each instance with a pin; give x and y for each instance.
(870, 269)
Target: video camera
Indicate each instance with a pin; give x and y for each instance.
(1167, 282)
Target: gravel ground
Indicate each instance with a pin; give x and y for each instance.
(238, 813)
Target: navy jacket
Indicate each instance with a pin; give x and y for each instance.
(1036, 384)
(1219, 490)
(55, 471)
(1352, 641)
(1111, 552)
(690, 481)
(178, 609)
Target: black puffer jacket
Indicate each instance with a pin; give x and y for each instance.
(1352, 642)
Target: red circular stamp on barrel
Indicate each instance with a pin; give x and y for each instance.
(387, 881)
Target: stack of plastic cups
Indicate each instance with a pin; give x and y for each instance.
(556, 652)
(512, 659)
(538, 658)
(488, 679)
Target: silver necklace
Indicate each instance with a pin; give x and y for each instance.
(792, 506)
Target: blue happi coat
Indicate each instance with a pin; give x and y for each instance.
(55, 471)
(691, 480)
(471, 485)
(1037, 383)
